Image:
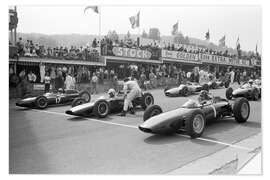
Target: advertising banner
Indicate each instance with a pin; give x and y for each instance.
(131, 53)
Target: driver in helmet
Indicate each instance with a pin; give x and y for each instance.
(111, 93)
(250, 82)
(60, 91)
(204, 97)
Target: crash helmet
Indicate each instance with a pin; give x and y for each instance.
(250, 81)
(60, 90)
(203, 95)
(111, 92)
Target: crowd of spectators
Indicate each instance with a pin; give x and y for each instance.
(30, 49)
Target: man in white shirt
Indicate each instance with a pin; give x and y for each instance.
(70, 82)
(32, 77)
(134, 92)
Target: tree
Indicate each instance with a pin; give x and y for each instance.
(144, 34)
(154, 33)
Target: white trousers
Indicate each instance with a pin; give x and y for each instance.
(133, 94)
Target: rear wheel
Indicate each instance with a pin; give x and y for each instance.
(101, 109)
(151, 111)
(147, 100)
(77, 102)
(196, 124)
(41, 102)
(85, 95)
(241, 110)
(229, 92)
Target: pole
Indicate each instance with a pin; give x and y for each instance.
(99, 23)
(15, 29)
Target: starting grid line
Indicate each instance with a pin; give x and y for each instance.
(135, 127)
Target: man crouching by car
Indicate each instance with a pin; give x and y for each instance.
(134, 91)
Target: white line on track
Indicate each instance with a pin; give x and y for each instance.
(130, 126)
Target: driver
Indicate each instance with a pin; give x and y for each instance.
(135, 91)
(60, 91)
(204, 97)
(250, 82)
(111, 93)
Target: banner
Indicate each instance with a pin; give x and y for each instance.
(180, 55)
(223, 60)
(131, 53)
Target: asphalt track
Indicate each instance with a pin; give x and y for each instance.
(49, 141)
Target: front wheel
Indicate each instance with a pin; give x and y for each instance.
(41, 102)
(147, 100)
(241, 110)
(256, 95)
(101, 109)
(151, 111)
(196, 124)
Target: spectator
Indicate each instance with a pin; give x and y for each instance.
(59, 81)
(70, 82)
(47, 81)
(32, 77)
(94, 83)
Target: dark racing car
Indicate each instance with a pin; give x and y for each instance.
(248, 90)
(193, 116)
(104, 105)
(185, 89)
(53, 98)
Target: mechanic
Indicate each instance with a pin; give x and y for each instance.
(204, 97)
(134, 92)
(111, 93)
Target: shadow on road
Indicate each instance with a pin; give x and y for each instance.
(164, 139)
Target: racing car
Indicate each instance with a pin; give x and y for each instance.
(53, 98)
(185, 89)
(247, 90)
(104, 105)
(193, 116)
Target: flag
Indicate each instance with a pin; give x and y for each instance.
(238, 44)
(175, 29)
(222, 41)
(207, 35)
(94, 8)
(135, 20)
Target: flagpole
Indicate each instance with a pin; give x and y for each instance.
(99, 23)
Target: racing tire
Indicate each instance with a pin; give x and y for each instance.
(184, 91)
(229, 92)
(85, 95)
(195, 125)
(214, 85)
(205, 87)
(256, 95)
(151, 111)
(147, 100)
(241, 110)
(101, 109)
(78, 101)
(41, 102)
(227, 84)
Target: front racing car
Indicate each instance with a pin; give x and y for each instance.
(193, 116)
